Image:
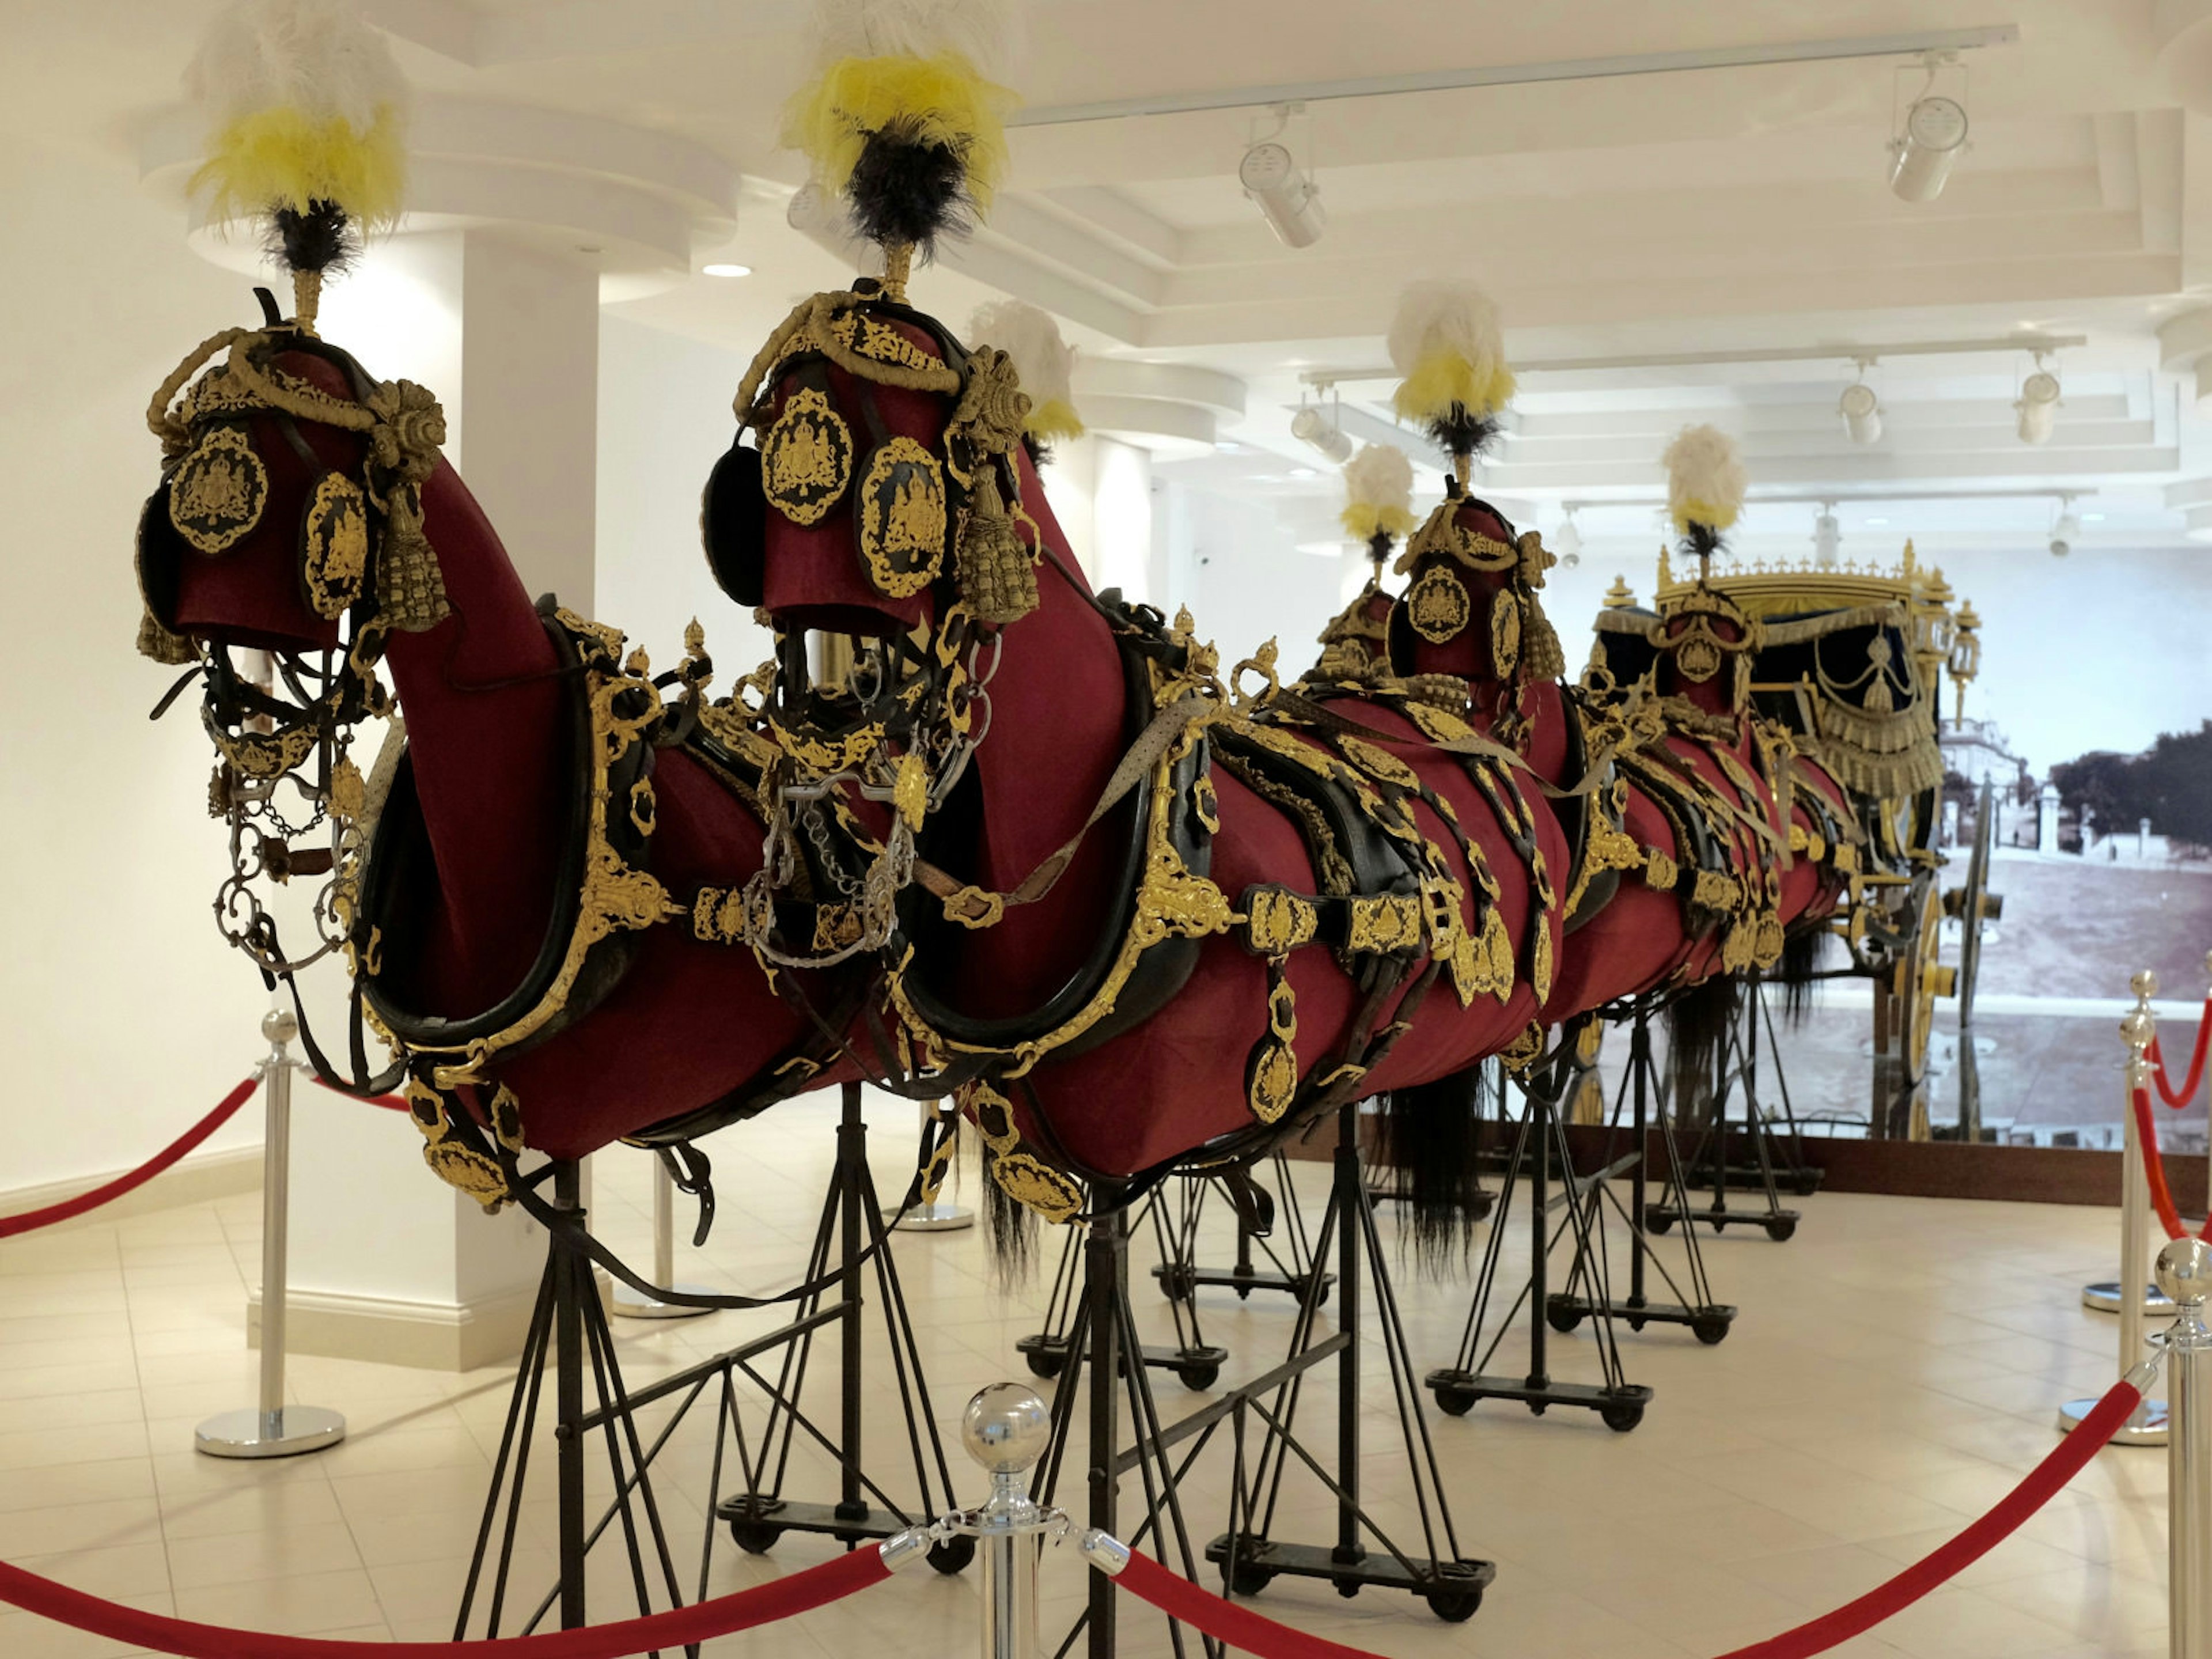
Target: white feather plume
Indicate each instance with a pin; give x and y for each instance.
(1446, 341)
(987, 33)
(1705, 479)
(1045, 362)
(316, 56)
(1379, 477)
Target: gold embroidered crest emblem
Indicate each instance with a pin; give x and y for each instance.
(902, 517)
(1439, 606)
(806, 459)
(217, 493)
(336, 544)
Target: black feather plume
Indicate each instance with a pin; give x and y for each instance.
(1701, 541)
(1460, 432)
(320, 239)
(904, 192)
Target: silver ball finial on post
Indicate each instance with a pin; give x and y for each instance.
(279, 1027)
(2185, 1272)
(1005, 1429)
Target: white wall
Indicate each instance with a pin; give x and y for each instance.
(123, 1014)
(665, 419)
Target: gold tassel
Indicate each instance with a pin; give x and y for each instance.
(162, 646)
(410, 587)
(998, 582)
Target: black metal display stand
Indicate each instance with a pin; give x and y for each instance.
(1642, 1091)
(1194, 1360)
(1291, 1268)
(1542, 1137)
(570, 1335)
(1362, 1555)
(1736, 1077)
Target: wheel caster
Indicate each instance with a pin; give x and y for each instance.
(1659, 1224)
(952, 1555)
(1562, 1315)
(1454, 1402)
(755, 1537)
(1347, 1588)
(1243, 1292)
(1709, 1330)
(1454, 1607)
(1623, 1416)
(1245, 1578)
(1807, 1183)
(1781, 1227)
(1198, 1378)
(1636, 1321)
(1538, 1407)
(1044, 1364)
(1321, 1296)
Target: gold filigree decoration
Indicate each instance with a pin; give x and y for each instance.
(1036, 1186)
(1438, 605)
(1278, 921)
(335, 540)
(1504, 634)
(1271, 1074)
(216, 495)
(1205, 804)
(879, 343)
(807, 459)
(1521, 1054)
(1388, 923)
(902, 517)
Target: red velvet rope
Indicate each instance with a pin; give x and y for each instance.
(2161, 1195)
(1242, 1628)
(31, 1220)
(764, 1604)
(390, 1103)
(2180, 1097)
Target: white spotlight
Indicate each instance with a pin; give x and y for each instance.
(1922, 157)
(1827, 536)
(2064, 533)
(1311, 426)
(2038, 407)
(1568, 543)
(1862, 413)
(1290, 201)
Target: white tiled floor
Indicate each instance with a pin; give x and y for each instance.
(1892, 1373)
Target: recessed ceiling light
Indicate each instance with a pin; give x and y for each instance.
(2092, 518)
(725, 268)
(1877, 521)
(1304, 472)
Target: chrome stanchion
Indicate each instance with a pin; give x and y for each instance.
(634, 1304)
(273, 1429)
(1005, 1429)
(2103, 1295)
(2185, 1274)
(939, 1215)
(2147, 1426)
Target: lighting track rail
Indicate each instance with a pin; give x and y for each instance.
(1516, 75)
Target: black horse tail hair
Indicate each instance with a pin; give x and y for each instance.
(1010, 1229)
(1697, 1026)
(1802, 952)
(1430, 1134)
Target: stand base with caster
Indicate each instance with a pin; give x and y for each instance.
(1196, 1368)
(1453, 1590)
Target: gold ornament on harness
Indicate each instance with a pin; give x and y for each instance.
(1504, 634)
(216, 496)
(902, 517)
(337, 544)
(1439, 606)
(807, 459)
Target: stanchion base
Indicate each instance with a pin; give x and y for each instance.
(2146, 1428)
(626, 1303)
(934, 1218)
(285, 1433)
(2104, 1296)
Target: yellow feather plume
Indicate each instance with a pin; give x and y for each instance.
(940, 100)
(286, 158)
(1363, 520)
(1053, 421)
(1443, 379)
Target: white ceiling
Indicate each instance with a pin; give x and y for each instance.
(1735, 210)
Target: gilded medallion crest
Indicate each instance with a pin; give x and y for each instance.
(902, 517)
(1504, 634)
(1437, 606)
(335, 543)
(217, 493)
(806, 459)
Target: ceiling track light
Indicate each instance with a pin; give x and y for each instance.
(2038, 407)
(1316, 429)
(1932, 138)
(1568, 543)
(2066, 530)
(1286, 197)
(1827, 535)
(1861, 410)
